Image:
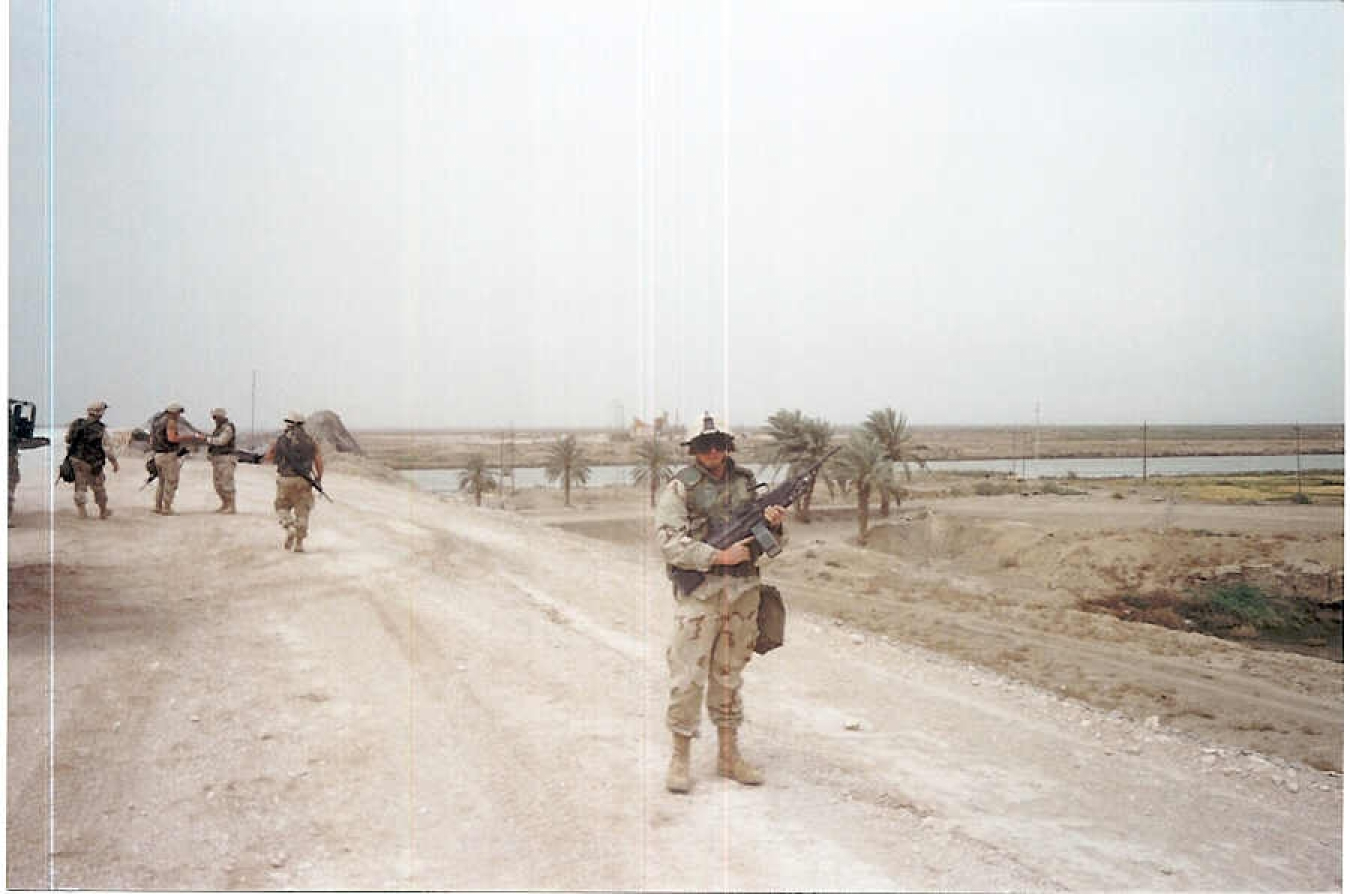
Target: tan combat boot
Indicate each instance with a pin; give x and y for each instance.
(80, 511)
(299, 543)
(290, 538)
(229, 505)
(729, 761)
(104, 512)
(677, 777)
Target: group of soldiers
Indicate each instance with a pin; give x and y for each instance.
(296, 453)
(715, 624)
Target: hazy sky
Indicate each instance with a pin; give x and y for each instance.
(488, 212)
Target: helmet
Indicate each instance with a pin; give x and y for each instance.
(219, 411)
(294, 416)
(174, 407)
(708, 428)
(97, 406)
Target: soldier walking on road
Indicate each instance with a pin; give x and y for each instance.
(166, 440)
(299, 462)
(715, 624)
(220, 450)
(89, 447)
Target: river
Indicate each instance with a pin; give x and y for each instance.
(447, 480)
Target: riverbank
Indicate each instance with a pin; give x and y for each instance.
(432, 449)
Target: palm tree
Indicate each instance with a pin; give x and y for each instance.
(567, 461)
(476, 479)
(655, 464)
(864, 466)
(799, 442)
(891, 431)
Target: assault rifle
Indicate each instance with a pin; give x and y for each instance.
(314, 484)
(748, 523)
(153, 469)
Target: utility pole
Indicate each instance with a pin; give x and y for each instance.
(253, 408)
(1298, 456)
(1145, 452)
(1036, 455)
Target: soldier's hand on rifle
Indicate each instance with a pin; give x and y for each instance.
(774, 515)
(734, 554)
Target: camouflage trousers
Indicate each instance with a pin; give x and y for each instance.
(13, 477)
(86, 479)
(222, 474)
(168, 465)
(295, 498)
(713, 640)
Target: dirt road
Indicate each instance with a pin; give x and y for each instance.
(437, 696)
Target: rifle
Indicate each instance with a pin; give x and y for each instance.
(314, 484)
(248, 456)
(154, 469)
(748, 522)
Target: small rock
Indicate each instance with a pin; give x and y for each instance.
(195, 719)
(853, 724)
(1152, 722)
(857, 639)
(1292, 785)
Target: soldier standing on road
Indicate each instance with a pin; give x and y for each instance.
(13, 469)
(166, 440)
(90, 447)
(716, 624)
(298, 460)
(220, 450)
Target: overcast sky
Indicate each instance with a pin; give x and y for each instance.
(486, 212)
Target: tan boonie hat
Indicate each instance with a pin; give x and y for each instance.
(708, 426)
(97, 406)
(174, 407)
(294, 416)
(219, 411)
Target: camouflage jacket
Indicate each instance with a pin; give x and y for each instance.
(691, 505)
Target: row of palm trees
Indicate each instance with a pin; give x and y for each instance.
(867, 466)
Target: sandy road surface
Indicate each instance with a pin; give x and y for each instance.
(442, 697)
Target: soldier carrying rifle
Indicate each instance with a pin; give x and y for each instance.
(299, 473)
(716, 620)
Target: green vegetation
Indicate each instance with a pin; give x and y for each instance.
(567, 461)
(476, 479)
(799, 442)
(1237, 611)
(891, 430)
(655, 464)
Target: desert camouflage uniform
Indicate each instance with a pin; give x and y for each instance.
(294, 451)
(715, 625)
(90, 446)
(167, 462)
(13, 471)
(220, 450)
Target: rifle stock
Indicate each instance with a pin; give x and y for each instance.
(748, 523)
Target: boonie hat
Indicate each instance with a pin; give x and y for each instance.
(708, 427)
(97, 406)
(219, 411)
(294, 416)
(174, 407)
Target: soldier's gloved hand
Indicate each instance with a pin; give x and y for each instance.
(774, 515)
